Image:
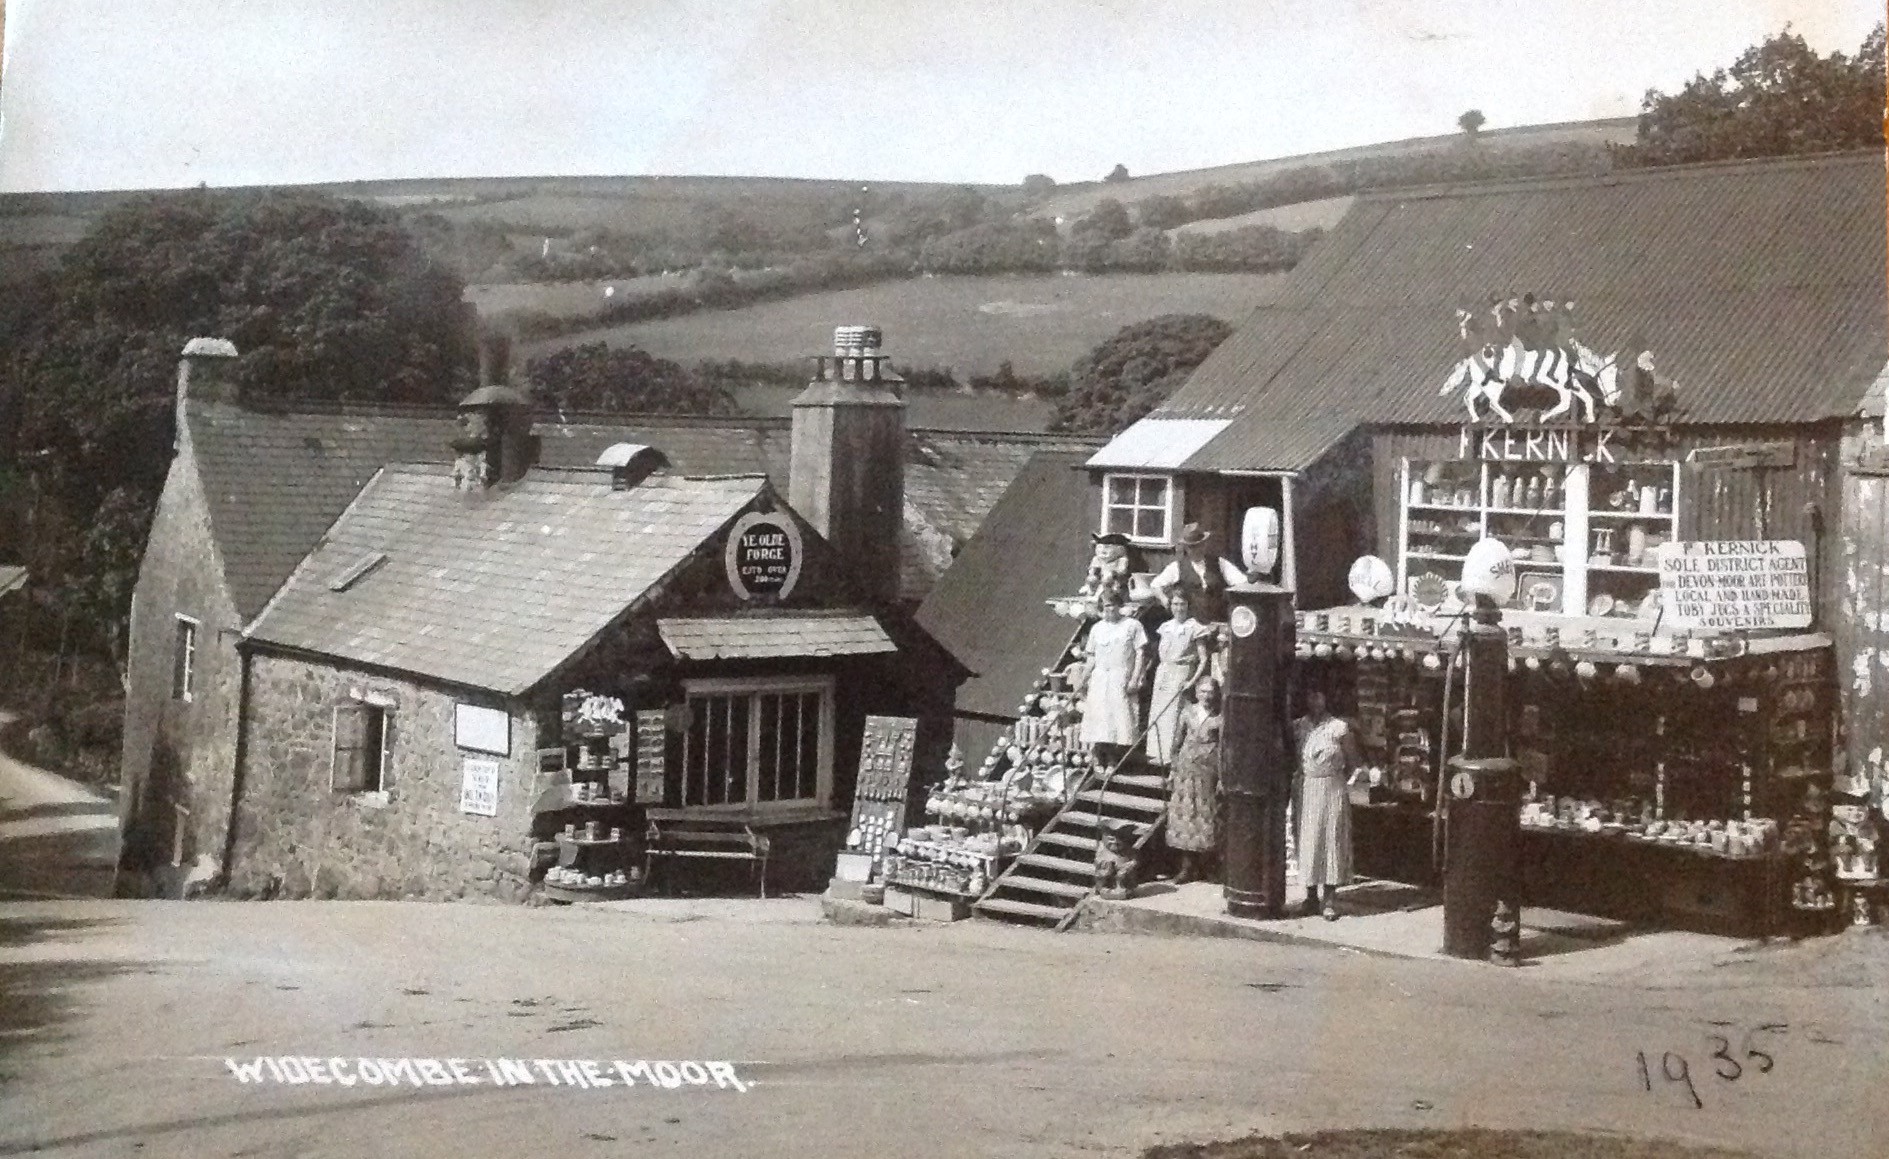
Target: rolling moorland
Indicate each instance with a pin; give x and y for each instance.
(530, 251)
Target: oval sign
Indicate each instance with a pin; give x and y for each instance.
(1243, 621)
(1462, 786)
(763, 556)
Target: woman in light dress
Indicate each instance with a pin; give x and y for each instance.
(1181, 661)
(1328, 754)
(1117, 656)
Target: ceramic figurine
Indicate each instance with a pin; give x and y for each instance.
(1117, 868)
(1110, 566)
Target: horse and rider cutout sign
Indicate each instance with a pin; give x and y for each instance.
(1522, 352)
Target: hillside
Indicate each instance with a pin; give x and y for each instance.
(968, 325)
(1072, 201)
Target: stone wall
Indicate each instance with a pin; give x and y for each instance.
(297, 837)
(178, 753)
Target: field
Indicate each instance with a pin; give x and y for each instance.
(1078, 200)
(1305, 215)
(563, 299)
(1040, 324)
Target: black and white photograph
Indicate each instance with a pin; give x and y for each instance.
(892, 579)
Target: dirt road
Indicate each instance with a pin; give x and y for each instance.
(972, 1039)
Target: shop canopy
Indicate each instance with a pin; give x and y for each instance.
(774, 636)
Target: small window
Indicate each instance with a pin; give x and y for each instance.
(184, 660)
(360, 748)
(1138, 506)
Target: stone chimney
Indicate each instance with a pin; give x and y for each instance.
(846, 473)
(205, 373)
(494, 443)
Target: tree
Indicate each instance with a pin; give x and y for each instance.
(324, 299)
(596, 377)
(1162, 212)
(1777, 98)
(1108, 220)
(1038, 185)
(1131, 373)
(1471, 123)
(1117, 174)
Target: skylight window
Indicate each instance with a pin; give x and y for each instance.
(357, 571)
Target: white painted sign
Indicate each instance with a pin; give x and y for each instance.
(478, 786)
(483, 730)
(1735, 585)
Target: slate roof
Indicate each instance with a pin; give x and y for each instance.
(276, 479)
(492, 588)
(989, 609)
(1758, 286)
(774, 634)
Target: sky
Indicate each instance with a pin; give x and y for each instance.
(123, 94)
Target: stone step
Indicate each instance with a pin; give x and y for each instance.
(1077, 819)
(1082, 841)
(1154, 784)
(1124, 801)
(1030, 884)
(1021, 909)
(1059, 864)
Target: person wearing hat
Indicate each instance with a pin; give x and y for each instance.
(1199, 572)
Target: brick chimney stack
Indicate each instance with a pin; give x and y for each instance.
(846, 472)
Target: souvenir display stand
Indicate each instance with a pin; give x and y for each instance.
(1673, 778)
(879, 797)
(587, 840)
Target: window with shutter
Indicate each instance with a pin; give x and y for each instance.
(360, 732)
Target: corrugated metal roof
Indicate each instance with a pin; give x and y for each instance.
(774, 635)
(1252, 443)
(1759, 287)
(1160, 444)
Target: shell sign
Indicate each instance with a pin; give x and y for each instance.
(764, 555)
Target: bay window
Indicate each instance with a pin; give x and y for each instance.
(758, 743)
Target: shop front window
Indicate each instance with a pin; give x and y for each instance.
(1138, 506)
(757, 743)
(1585, 536)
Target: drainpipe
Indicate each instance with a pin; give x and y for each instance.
(236, 773)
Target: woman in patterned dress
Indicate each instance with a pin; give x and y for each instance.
(1193, 823)
(1328, 753)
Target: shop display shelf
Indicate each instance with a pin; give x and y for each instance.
(1633, 569)
(1556, 512)
(1444, 506)
(1662, 516)
(1436, 555)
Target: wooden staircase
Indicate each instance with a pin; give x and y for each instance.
(1045, 883)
